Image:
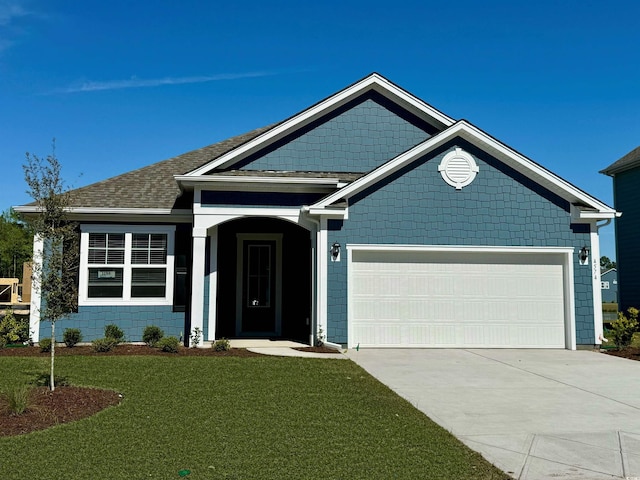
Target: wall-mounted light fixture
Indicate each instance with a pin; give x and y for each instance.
(583, 255)
(335, 252)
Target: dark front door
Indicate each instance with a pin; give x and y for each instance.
(258, 288)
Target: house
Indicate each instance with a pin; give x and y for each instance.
(626, 197)
(609, 284)
(370, 218)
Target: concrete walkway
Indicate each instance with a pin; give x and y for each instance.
(282, 348)
(536, 414)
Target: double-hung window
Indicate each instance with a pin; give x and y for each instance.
(126, 264)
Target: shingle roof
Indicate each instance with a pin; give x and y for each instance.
(153, 186)
(630, 160)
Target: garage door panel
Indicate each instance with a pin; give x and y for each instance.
(485, 301)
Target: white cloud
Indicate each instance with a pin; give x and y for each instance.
(135, 82)
(10, 10)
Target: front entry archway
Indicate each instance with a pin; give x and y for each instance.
(264, 280)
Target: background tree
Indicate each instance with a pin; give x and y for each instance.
(16, 245)
(606, 263)
(55, 267)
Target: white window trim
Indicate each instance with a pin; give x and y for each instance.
(126, 299)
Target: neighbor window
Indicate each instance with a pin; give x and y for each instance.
(126, 263)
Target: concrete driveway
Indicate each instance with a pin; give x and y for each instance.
(536, 414)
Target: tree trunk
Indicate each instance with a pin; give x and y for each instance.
(53, 353)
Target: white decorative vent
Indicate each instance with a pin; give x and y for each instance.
(458, 168)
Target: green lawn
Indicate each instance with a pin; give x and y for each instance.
(234, 418)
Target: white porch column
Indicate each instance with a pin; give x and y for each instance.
(321, 283)
(597, 286)
(213, 284)
(197, 280)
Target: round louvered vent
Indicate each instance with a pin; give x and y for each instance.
(458, 168)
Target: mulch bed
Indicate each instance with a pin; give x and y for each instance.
(317, 349)
(64, 405)
(631, 353)
(125, 349)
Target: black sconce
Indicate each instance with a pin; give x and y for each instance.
(335, 252)
(583, 255)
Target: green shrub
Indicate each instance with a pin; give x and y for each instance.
(623, 328)
(168, 344)
(45, 345)
(114, 332)
(17, 400)
(14, 330)
(102, 345)
(221, 345)
(195, 336)
(71, 337)
(3, 343)
(152, 335)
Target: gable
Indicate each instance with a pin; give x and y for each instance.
(583, 206)
(357, 137)
(373, 87)
(500, 206)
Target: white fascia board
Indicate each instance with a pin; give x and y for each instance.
(458, 248)
(119, 214)
(341, 213)
(259, 184)
(476, 136)
(107, 210)
(579, 215)
(372, 82)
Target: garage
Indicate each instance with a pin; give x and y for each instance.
(460, 297)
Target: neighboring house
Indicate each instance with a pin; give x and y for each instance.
(609, 283)
(369, 219)
(626, 198)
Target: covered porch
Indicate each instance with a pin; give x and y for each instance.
(252, 278)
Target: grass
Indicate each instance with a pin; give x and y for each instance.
(16, 399)
(235, 418)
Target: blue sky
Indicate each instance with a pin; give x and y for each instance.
(123, 84)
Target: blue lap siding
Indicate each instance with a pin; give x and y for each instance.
(358, 138)
(91, 321)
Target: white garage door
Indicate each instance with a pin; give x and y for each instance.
(416, 298)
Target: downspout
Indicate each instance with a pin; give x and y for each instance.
(597, 294)
(606, 222)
